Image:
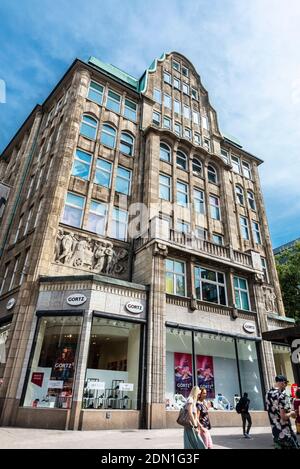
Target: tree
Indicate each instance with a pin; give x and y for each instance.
(288, 267)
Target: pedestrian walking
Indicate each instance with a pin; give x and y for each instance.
(242, 408)
(297, 410)
(280, 413)
(191, 437)
(203, 417)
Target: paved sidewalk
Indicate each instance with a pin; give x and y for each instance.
(223, 438)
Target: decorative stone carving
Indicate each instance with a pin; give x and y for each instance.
(160, 249)
(270, 300)
(259, 278)
(99, 256)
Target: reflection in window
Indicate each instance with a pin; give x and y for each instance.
(73, 211)
(249, 372)
(95, 92)
(82, 164)
(97, 218)
(108, 136)
(88, 127)
(210, 286)
(126, 144)
(103, 173)
(175, 277)
(241, 293)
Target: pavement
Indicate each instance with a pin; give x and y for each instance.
(223, 438)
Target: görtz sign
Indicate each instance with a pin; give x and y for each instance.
(76, 299)
(134, 307)
(249, 327)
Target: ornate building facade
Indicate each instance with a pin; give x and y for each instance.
(136, 258)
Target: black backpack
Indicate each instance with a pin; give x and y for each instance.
(238, 407)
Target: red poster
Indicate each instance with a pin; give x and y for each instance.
(37, 378)
(205, 374)
(183, 373)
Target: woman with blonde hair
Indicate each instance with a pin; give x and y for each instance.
(191, 437)
(203, 417)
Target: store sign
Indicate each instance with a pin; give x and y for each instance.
(134, 307)
(249, 327)
(37, 379)
(55, 384)
(98, 385)
(76, 299)
(11, 303)
(126, 386)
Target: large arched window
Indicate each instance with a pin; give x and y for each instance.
(212, 174)
(108, 136)
(181, 160)
(251, 200)
(165, 152)
(197, 167)
(126, 144)
(88, 127)
(239, 194)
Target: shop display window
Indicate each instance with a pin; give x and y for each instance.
(283, 364)
(112, 373)
(51, 373)
(249, 372)
(4, 330)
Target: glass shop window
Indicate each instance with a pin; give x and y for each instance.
(4, 330)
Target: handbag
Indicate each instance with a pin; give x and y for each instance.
(184, 418)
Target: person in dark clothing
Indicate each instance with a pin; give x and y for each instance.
(246, 417)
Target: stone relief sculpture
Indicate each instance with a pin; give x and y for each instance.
(99, 256)
(270, 300)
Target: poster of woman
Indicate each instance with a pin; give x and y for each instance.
(183, 373)
(205, 374)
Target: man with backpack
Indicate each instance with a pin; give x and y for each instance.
(242, 408)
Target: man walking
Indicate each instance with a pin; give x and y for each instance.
(243, 408)
(279, 411)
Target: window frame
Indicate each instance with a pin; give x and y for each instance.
(96, 92)
(89, 125)
(106, 132)
(169, 187)
(240, 291)
(105, 171)
(113, 100)
(128, 180)
(216, 283)
(174, 275)
(215, 206)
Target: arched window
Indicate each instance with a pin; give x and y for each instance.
(126, 144)
(197, 167)
(88, 127)
(165, 152)
(181, 160)
(251, 200)
(239, 194)
(108, 136)
(212, 174)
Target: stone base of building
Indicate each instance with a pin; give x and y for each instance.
(50, 419)
(224, 419)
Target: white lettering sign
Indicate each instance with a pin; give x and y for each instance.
(76, 299)
(134, 307)
(99, 385)
(126, 386)
(249, 327)
(55, 384)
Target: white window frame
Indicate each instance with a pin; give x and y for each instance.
(194, 93)
(236, 166)
(196, 117)
(196, 162)
(214, 203)
(178, 65)
(211, 282)
(23, 272)
(240, 290)
(197, 139)
(4, 278)
(167, 77)
(164, 146)
(178, 128)
(175, 274)
(188, 133)
(200, 199)
(212, 172)
(186, 72)
(220, 238)
(168, 186)
(127, 179)
(15, 271)
(186, 112)
(167, 101)
(128, 107)
(246, 168)
(256, 232)
(225, 155)
(167, 124)
(184, 191)
(118, 222)
(157, 92)
(97, 92)
(251, 200)
(239, 195)
(156, 122)
(76, 206)
(114, 100)
(244, 227)
(177, 107)
(185, 89)
(176, 81)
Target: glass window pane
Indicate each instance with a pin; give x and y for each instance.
(88, 131)
(103, 173)
(245, 301)
(209, 292)
(81, 170)
(170, 283)
(250, 375)
(209, 275)
(51, 376)
(180, 285)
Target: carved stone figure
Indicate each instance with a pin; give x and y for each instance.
(270, 301)
(83, 254)
(99, 255)
(111, 258)
(67, 245)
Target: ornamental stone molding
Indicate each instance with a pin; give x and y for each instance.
(270, 300)
(99, 256)
(160, 249)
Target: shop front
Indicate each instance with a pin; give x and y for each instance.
(84, 367)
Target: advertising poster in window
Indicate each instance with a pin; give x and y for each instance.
(183, 373)
(4, 191)
(63, 367)
(205, 374)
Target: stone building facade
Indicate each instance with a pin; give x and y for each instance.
(136, 258)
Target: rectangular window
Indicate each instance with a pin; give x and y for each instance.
(183, 226)
(119, 224)
(157, 95)
(177, 128)
(82, 164)
(214, 203)
(113, 360)
(199, 203)
(185, 71)
(241, 293)
(225, 155)
(265, 269)
(156, 118)
(176, 65)
(167, 78)
(95, 92)
(123, 181)
(165, 187)
(113, 101)
(206, 144)
(218, 239)
(103, 173)
(185, 88)
(236, 164)
(28, 221)
(19, 228)
(182, 194)
(167, 123)
(177, 107)
(38, 213)
(130, 110)
(201, 233)
(176, 83)
(194, 93)
(175, 277)
(97, 220)
(51, 376)
(25, 267)
(15, 272)
(4, 278)
(197, 139)
(196, 118)
(186, 112)
(41, 172)
(256, 232)
(244, 228)
(205, 123)
(188, 133)
(30, 186)
(210, 286)
(167, 101)
(73, 211)
(246, 170)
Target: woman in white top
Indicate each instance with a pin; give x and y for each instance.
(191, 437)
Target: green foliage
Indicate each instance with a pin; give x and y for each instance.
(288, 267)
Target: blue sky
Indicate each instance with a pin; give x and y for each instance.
(246, 52)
